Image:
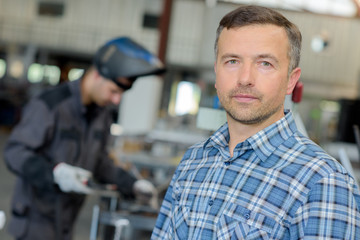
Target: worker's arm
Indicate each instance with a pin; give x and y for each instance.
(107, 172)
(28, 138)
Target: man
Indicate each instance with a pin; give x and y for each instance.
(60, 144)
(257, 176)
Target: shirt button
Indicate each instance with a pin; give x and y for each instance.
(227, 163)
(247, 215)
(211, 202)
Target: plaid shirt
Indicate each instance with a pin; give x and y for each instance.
(278, 185)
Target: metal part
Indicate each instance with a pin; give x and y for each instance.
(94, 222)
(119, 225)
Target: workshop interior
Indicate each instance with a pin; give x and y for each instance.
(44, 43)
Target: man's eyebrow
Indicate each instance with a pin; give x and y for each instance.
(229, 55)
(268, 56)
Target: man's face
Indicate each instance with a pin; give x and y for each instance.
(106, 92)
(252, 73)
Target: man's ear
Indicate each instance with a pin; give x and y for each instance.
(97, 74)
(293, 79)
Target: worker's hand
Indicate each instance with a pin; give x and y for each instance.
(146, 193)
(72, 179)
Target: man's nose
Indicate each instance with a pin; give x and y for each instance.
(116, 98)
(246, 75)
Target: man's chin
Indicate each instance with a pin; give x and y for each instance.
(249, 119)
(102, 104)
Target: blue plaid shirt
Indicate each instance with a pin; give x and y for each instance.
(278, 185)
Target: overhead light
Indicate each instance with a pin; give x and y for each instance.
(320, 42)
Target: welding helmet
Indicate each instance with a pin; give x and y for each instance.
(122, 57)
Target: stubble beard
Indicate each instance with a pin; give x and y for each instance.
(247, 113)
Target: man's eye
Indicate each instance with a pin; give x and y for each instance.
(266, 64)
(232, 61)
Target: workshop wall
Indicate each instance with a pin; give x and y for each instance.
(85, 24)
(332, 73)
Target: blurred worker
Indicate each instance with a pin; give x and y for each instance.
(60, 144)
(257, 176)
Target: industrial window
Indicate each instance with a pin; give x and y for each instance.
(75, 73)
(47, 74)
(2, 68)
(185, 98)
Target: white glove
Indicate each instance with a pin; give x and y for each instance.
(72, 179)
(2, 219)
(146, 193)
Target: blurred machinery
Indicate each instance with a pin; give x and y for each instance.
(153, 156)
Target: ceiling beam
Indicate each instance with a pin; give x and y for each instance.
(305, 6)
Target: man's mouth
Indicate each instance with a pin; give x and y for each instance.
(245, 98)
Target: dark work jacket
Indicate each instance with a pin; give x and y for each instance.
(55, 127)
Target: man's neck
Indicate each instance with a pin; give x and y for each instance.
(85, 90)
(239, 132)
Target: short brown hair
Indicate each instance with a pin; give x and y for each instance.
(250, 15)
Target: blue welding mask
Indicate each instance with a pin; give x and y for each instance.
(124, 58)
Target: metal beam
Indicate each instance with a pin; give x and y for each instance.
(164, 29)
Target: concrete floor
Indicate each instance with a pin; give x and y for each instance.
(7, 179)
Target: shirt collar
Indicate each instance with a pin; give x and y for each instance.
(264, 142)
(219, 138)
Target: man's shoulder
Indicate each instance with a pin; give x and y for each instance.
(199, 145)
(55, 95)
(309, 147)
(314, 156)
(196, 150)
